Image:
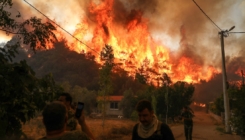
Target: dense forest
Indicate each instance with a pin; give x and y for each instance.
(76, 69)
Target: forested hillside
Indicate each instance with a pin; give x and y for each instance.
(76, 69)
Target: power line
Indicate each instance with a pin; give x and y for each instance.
(238, 32)
(225, 94)
(207, 16)
(61, 27)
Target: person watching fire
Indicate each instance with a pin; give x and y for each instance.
(187, 115)
(55, 120)
(149, 127)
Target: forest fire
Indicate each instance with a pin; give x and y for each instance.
(134, 48)
(199, 104)
(127, 31)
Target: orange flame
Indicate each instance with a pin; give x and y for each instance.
(133, 45)
(200, 104)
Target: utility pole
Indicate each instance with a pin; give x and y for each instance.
(225, 86)
(242, 78)
(223, 33)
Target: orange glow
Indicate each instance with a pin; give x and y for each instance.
(188, 71)
(199, 104)
(133, 45)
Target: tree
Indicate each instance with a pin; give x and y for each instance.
(179, 95)
(80, 94)
(185, 91)
(128, 103)
(237, 101)
(107, 56)
(218, 106)
(31, 32)
(161, 105)
(142, 74)
(22, 94)
(236, 94)
(166, 80)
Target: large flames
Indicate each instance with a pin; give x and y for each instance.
(133, 46)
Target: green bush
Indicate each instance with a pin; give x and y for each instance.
(134, 116)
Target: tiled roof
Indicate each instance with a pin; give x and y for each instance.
(116, 98)
(111, 98)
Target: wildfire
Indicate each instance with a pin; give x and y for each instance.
(133, 45)
(199, 104)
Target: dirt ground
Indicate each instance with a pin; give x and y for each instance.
(113, 129)
(205, 128)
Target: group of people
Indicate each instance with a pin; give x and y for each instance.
(61, 124)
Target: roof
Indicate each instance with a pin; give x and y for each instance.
(111, 98)
(116, 98)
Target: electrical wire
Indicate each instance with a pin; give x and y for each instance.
(207, 16)
(238, 32)
(61, 27)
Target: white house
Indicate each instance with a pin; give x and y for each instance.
(112, 106)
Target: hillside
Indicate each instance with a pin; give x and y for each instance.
(76, 69)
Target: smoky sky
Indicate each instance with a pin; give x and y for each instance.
(197, 37)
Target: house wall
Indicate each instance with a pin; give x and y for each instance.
(113, 112)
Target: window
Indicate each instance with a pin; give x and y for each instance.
(114, 105)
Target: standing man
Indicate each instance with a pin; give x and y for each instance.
(149, 127)
(67, 100)
(55, 119)
(187, 115)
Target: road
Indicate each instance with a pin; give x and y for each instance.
(205, 128)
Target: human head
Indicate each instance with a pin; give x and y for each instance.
(54, 116)
(145, 112)
(66, 99)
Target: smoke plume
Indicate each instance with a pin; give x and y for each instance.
(179, 25)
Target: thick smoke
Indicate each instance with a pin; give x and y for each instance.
(196, 36)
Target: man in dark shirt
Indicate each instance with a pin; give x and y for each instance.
(149, 127)
(55, 120)
(187, 115)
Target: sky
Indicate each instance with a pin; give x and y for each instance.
(166, 17)
(171, 22)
